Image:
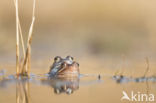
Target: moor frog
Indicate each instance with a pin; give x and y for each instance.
(64, 67)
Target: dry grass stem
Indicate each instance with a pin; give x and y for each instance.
(22, 41)
(21, 34)
(27, 59)
(17, 38)
(147, 69)
(25, 70)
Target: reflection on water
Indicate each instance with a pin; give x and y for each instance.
(22, 91)
(63, 85)
(70, 86)
(60, 85)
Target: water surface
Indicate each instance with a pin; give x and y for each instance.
(89, 88)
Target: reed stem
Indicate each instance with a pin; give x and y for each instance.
(17, 39)
(21, 34)
(25, 70)
(27, 65)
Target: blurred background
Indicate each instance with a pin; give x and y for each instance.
(106, 37)
(86, 29)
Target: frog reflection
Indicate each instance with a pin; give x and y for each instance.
(63, 85)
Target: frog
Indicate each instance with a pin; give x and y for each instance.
(64, 67)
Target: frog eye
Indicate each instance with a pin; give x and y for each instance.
(57, 58)
(70, 58)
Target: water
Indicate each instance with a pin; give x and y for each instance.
(89, 88)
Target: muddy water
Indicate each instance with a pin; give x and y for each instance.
(89, 88)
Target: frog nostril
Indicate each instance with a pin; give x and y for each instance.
(75, 63)
(78, 64)
(64, 65)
